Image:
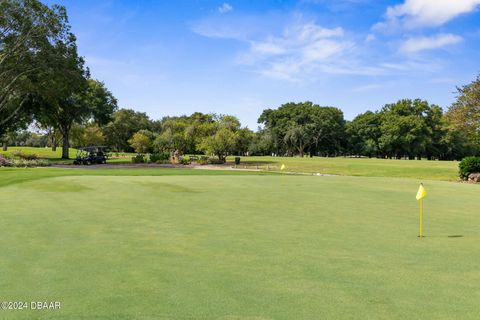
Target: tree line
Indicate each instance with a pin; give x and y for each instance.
(44, 84)
(42, 77)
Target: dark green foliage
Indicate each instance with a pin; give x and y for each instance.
(299, 128)
(123, 125)
(405, 128)
(364, 134)
(159, 157)
(34, 38)
(139, 158)
(469, 165)
(185, 161)
(261, 144)
(215, 161)
(90, 101)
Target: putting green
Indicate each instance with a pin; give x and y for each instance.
(239, 247)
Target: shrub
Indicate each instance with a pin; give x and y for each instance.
(139, 158)
(24, 156)
(469, 165)
(22, 163)
(215, 161)
(4, 162)
(185, 161)
(202, 161)
(161, 157)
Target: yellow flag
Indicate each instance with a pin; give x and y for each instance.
(421, 193)
(282, 167)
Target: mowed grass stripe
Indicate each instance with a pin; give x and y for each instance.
(365, 167)
(240, 247)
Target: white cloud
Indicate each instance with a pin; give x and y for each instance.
(301, 48)
(417, 44)
(236, 27)
(267, 47)
(292, 52)
(421, 13)
(225, 7)
(304, 50)
(368, 87)
(370, 37)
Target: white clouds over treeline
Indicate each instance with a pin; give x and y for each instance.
(299, 47)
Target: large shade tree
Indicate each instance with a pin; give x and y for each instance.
(93, 103)
(364, 133)
(297, 128)
(464, 115)
(224, 137)
(123, 125)
(33, 40)
(184, 133)
(408, 128)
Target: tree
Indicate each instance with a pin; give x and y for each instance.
(33, 39)
(404, 128)
(300, 127)
(297, 138)
(245, 137)
(93, 103)
(327, 129)
(224, 137)
(141, 141)
(262, 143)
(364, 133)
(124, 123)
(464, 113)
(456, 143)
(220, 144)
(169, 141)
(84, 136)
(184, 133)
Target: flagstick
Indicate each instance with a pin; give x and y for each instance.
(421, 217)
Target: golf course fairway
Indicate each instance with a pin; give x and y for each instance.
(239, 247)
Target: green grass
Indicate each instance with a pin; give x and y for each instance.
(431, 170)
(55, 156)
(364, 167)
(191, 244)
(45, 153)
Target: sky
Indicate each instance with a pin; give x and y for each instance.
(175, 57)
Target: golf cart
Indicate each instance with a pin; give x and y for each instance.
(91, 155)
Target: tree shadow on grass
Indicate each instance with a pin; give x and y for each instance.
(443, 236)
(254, 162)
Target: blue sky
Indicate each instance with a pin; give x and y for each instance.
(239, 57)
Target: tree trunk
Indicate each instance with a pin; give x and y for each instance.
(53, 140)
(4, 146)
(65, 145)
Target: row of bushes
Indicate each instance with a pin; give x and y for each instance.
(159, 158)
(164, 158)
(22, 163)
